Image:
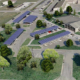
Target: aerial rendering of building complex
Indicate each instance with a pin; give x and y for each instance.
(39, 39)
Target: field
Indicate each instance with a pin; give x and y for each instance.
(36, 41)
(31, 74)
(6, 36)
(5, 17)
(18, 3)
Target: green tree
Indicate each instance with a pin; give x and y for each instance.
(24, 55)
(36, 36)
(20, 66)
(1, 38)
(44, 24)
(49, 16)
(3, 25)
(5, 51)
(46, 65)
(3, 62)
(74, 12)
(57, 21)
(69, 9)
(58, 46)
(61, 11)
(56, 13)
(61, 22)
(33, 64)
(10, 4)
(45, 13)
(39, 23)
(48, 53)
(17, 26)
(8, 28)
(69, 42)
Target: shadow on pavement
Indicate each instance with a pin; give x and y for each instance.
(76, 59)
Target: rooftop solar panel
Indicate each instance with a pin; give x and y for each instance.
(54, 37)
(30, 19)
(14, 36)
(21, 17)
(44, 30)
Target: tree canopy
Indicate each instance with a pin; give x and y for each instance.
(4, 62)
(50, 53)
(39, 23)
(69, 9)
(10, 4)
(5, 51)
(46, 65)
(69, 42)
(24, 54)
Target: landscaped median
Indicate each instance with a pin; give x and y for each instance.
(70, 48)
(34, 47)
(26, 42)
(47, 36)
(77, 33)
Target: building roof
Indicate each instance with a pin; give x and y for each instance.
(14, 36)
(75, 24)
(30, 19)
(69, 19)
(60, 3)
(48, 10)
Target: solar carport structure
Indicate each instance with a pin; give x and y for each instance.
(21, 17)
(44, 30)
(30, 19)
(54, 37)
(14, 36)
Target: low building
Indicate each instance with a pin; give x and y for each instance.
(71, 22)
(61, 3)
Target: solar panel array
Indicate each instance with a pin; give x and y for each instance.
(44, 30)
(14, 36)
(21, 17)
(54, 37)
(30, 19)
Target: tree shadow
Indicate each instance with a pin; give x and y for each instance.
(76, 59)
(65, 43)
(42, 54)
(77, 42)
(8, 60)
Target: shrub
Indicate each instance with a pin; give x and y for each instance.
(57, 21)
(37, 36)
(44, 24)
(33, 64)
(52, 60)
(39, 23)
(69, 42)
(1, 38)
(46, 65)
(17, 26)
(10, 4)
(7, 31)
(58, 46)
(20, 67)
(3, 25)
(56, 13)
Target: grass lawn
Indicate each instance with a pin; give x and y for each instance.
(26, 42)
(36, 41)
(35, 47)
(78, 33)
(5, 17)
(76, 67)
(60, 16)
(57, 24)
(31, 74)
(6, 36)
(25, 25)
(79, 13)
(38, 29)
(70, 48)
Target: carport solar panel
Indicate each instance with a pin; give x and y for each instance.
(21, 17)
(54, 37)
(44, 30)
(13, 37)
(30, 19)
